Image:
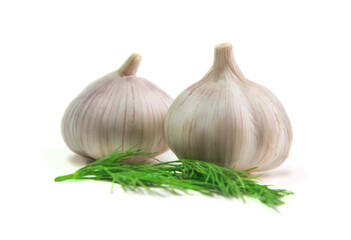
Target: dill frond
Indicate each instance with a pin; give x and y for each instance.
(178, 176)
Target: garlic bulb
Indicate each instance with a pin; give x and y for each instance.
(228, 120)
(117, 110)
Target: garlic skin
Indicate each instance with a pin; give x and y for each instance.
(117, 110)
(228, 120)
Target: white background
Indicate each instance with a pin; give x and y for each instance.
(50, 50)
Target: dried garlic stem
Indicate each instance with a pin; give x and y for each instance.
(130, 66)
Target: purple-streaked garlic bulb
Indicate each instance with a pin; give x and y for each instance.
(117, 110)
(228, 120)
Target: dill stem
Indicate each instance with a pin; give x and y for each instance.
(65, 177)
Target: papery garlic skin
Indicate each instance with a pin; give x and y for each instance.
(117, 110)
(228, 120)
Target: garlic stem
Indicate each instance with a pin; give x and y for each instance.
(224, 58)
(130, 66)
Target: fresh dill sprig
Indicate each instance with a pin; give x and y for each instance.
(182, 175)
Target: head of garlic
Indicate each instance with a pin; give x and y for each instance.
(228, 120)
(117, 110)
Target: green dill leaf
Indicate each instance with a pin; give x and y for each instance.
(184, 175)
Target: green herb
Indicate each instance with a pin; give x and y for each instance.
(177, 176)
